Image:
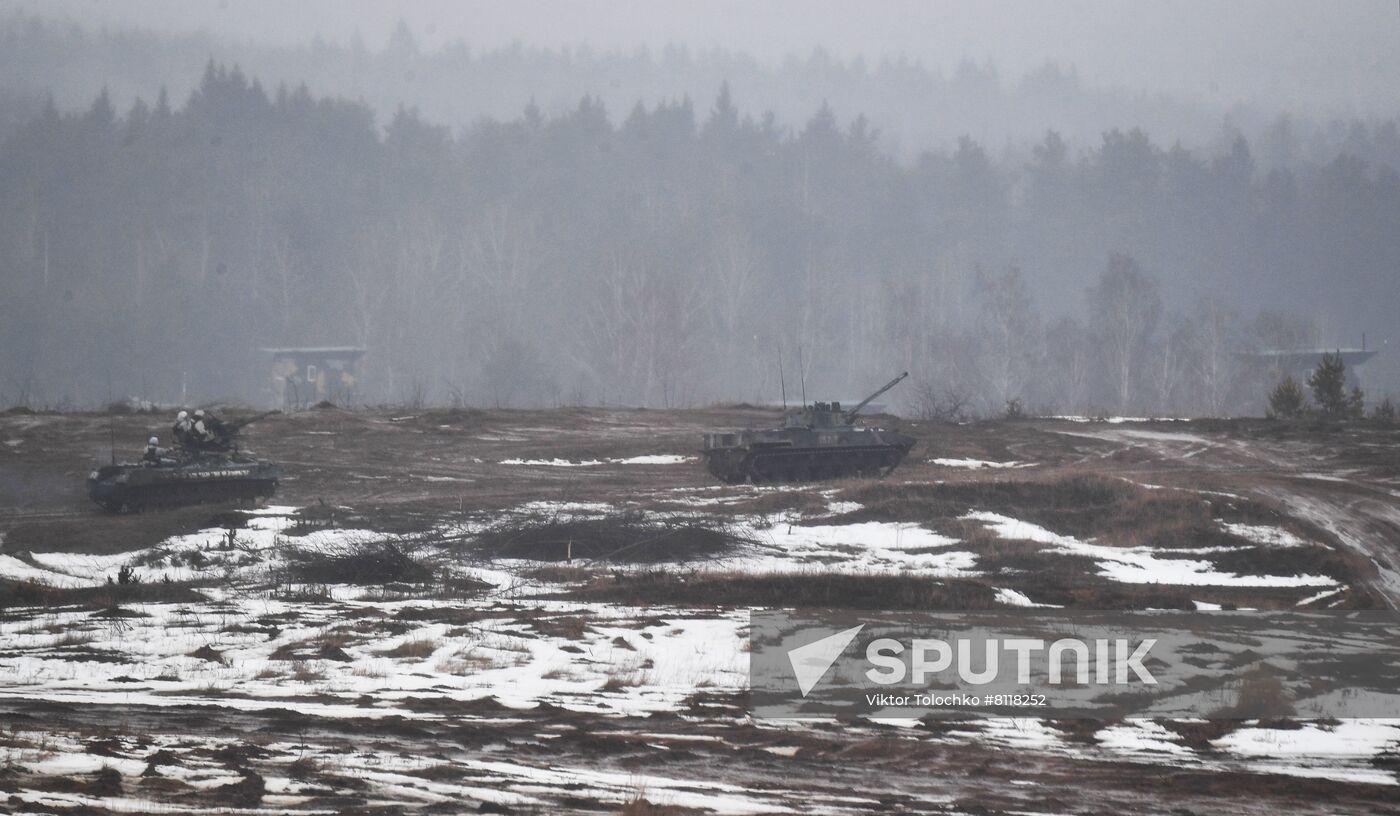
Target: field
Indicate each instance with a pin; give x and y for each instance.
(536, 612)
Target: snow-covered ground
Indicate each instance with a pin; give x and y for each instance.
(358, 657)
(784, 541)
(256, 643)
(271, 650)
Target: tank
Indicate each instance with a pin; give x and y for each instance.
(817, 442)
(212, 472)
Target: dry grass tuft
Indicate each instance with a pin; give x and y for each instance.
(1259, 696)
(798, 589)
(368, 563)
(631, 537)
(303, 672)
(419, 648)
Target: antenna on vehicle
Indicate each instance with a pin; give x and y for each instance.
(802, 375)
(782, 382)
(111, 423)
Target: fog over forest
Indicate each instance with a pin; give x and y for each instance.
(533, 225)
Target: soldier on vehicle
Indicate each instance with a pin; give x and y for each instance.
(201, 428)
(152, 456)
(183, 430)
(219, 431)
(211, 433)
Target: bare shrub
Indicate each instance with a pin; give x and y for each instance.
(414, 647)
(798, 589)
(74, 638)
(950, 405)
(639, 805)
(559, 574)
(34, 594)
(1260, 695)
(619, 680)
(106, 782)
(632, 537)
(305, 673)
(247, 792)
(569, 627)
(303, 768)
(361, 563)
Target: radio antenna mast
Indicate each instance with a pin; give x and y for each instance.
(111, 423)
(802, 375)
(782, 381)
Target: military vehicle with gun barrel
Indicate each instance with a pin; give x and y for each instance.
(203, 471)
(815, 443)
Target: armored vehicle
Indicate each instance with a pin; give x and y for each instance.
(816, 442)
(215, 470)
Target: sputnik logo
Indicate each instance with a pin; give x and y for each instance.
(810, 663)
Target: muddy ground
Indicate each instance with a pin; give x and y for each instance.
(1337, 487)
(1341, 481)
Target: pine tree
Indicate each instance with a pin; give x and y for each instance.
(1328, 383)
(1286, 400)
(1384, 411)
(1356, 403)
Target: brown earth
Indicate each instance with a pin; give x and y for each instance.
(1338, 485)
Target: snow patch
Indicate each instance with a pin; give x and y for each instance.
(1140, 565)
(977, 464)
(1116, 420)
(866, 547)
(1139, 736)
(648, 459)
(1345, 738)
(1321, 596)
(1011, 597)
(551, 462)
(1263, 534)
(654, 459)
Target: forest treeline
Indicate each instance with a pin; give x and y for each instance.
(664, 256)
(917, 106)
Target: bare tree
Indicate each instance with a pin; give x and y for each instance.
(1006, 333)
(1215, 332)
(1172, 360)
(1124, 307)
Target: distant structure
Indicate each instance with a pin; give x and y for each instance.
(309, 375)
(1301, 362)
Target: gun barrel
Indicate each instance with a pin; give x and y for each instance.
(250, 420)
(851, 414)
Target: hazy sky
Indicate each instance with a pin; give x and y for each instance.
(1341, 56)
